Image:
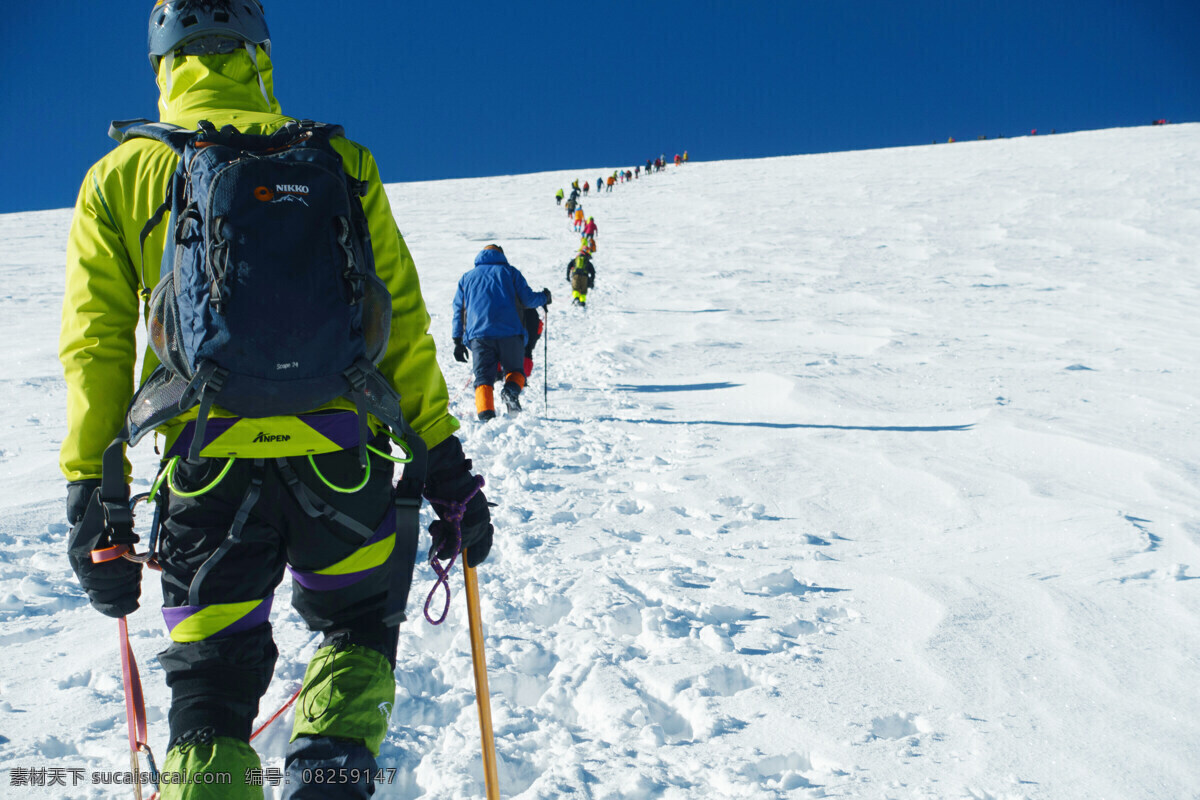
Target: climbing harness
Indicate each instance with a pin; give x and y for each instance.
(407, 503)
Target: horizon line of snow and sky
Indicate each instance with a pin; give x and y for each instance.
(485, 89)
(881, 484)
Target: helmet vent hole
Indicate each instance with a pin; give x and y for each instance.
(190, 20)
(221, 16)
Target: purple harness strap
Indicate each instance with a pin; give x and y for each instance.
(451, 512)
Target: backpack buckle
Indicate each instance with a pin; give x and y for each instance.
(357, 377)
(118, 522)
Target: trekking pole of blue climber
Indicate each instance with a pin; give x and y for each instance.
(546, 363)
(482, 699)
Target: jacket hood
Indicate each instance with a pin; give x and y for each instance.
(192, 87)
(489, 256)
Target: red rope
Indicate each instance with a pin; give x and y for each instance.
(135, 704)
(135, 708)
(277, 714)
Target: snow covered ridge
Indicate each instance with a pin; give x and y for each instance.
(867, 475)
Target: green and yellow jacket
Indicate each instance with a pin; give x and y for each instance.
(109, 274)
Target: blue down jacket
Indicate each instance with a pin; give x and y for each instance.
(491, 299)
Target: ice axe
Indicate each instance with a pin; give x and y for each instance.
(482, 699)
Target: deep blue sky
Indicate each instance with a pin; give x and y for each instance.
(463, 89)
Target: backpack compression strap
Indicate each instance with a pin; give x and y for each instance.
(202, 391)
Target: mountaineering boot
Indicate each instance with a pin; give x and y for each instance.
(199, 753)
(510, 394)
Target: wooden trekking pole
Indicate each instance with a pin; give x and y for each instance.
(483, 700)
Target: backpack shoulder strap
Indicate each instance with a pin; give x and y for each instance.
(173, 136)
(323, 132)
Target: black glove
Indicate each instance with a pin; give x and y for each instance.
(476, 528)
(113, 587)
(547, 291)
(461, 353)
(79, 494)
(450, 480)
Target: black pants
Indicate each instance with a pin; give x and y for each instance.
(508, 352)
(230, 546)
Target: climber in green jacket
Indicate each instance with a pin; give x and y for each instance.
(212, 62)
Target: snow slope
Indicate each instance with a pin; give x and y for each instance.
(869, 475)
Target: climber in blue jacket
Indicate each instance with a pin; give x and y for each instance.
(489, 309)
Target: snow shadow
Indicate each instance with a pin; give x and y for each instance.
(797, 425)
(682, 387)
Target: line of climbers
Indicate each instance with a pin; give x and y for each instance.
(618, 176)
(581, 274)
(495, 324)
